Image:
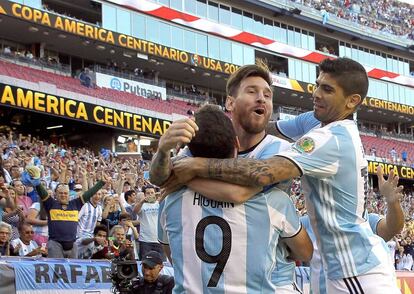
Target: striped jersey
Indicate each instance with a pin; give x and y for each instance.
(89, 215)
(335, 183)
(284, 272)
(220, 247)
(298, 126)
(266, 148)
(317, 273)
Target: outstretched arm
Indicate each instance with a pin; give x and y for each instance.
(393, 222)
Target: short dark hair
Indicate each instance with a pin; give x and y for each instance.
(215, 137)
(145, 188)
(350, 75)
(124, 215)
(250, 70)
(128, 193)
(100, 228)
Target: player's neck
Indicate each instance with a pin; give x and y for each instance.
(248, 140)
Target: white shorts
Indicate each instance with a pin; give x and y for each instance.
(379, 280)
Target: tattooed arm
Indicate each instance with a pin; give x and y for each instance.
(160, 168)
(180, 132)
(247, 172)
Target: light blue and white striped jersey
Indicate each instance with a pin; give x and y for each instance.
(317, 273)
(335, 183)
(296, 127)
(267, 148)
(284, 272)
(220, 247)
(88, 217)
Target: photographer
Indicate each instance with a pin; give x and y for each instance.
(153, 282)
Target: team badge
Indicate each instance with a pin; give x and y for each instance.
(305, 144)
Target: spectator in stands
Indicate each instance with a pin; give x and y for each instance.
(29, 55)
(63, 217)
(14, 216)
(147, 210)
(25, 246)
(37, 217)
(94, 247)
(23, 201)
(15, 172)
(7, 50)
(112, 210)
(131, 231)
(5, 234)
(85, 78)
(4, 172)
(393, 154)
(119, 246)
(404, 156)
(90, 215)
(5, 199)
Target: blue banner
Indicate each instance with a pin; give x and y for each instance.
(44, 274)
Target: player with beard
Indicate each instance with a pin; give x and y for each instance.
(249, 100)
(334, 173)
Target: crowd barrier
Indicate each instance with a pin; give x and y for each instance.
(58, 276)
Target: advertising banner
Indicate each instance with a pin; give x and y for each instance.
(134, 87)
(26, 99)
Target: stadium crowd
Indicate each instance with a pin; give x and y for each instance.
(394, 17)
(113, 208)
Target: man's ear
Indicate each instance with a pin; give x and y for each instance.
(230, 103)
(353, 101)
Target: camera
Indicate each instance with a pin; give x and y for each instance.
(125, 276)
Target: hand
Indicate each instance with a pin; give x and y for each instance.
(106, 178)
(184, 170)
(179, 132)
(19, 211)
(17, 248)
(62, 166)
(388, 188)
(169, 187)
(83, 172)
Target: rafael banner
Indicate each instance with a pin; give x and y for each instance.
(130, 86)
(60, 276)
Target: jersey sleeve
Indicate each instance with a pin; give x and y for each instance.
(298, 126)
(162, 231)
(374, 220)
(283, 214)
(317, 154)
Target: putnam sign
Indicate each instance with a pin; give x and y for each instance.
(403, 172)
(86, 30)
(82, 111)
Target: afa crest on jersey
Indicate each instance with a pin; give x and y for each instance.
(304, 145)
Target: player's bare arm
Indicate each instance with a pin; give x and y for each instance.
(179, 133)
(300, 246)
(393, 222)
(247, 172)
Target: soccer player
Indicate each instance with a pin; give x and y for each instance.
(249, 100)
(335, 174)
(386, 228)
(212, 242)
